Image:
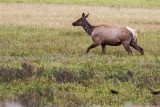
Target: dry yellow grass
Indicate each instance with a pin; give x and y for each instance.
(61, 16)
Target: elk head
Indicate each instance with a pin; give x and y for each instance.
(81, 21)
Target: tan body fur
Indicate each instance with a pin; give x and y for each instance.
(110, 35)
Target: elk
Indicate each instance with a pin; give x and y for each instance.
(109, 35)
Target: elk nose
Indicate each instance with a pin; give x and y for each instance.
(73, 24)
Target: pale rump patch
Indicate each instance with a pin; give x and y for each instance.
(134, 33)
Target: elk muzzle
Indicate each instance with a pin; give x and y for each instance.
(74, 23)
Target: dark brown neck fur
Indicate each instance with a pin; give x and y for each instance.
(88, 27)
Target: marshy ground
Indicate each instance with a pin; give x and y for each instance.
(43, 60)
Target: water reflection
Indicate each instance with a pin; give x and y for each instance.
(11, 104)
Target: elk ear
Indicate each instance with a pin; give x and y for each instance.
(83, 15)
(87, 15)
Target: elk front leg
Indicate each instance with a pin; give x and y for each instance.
(103, 49)
(91, 46)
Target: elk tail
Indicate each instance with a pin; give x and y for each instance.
(134, 33)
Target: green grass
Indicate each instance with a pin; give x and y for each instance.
(87, 77)
(116, 3)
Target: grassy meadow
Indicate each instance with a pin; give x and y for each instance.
(114, 3)
(43, 59)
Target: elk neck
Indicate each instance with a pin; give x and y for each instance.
(88, 27)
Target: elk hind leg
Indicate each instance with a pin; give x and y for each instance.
(127, 48)
(138, 48)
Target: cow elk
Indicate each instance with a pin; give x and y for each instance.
(109, 35)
